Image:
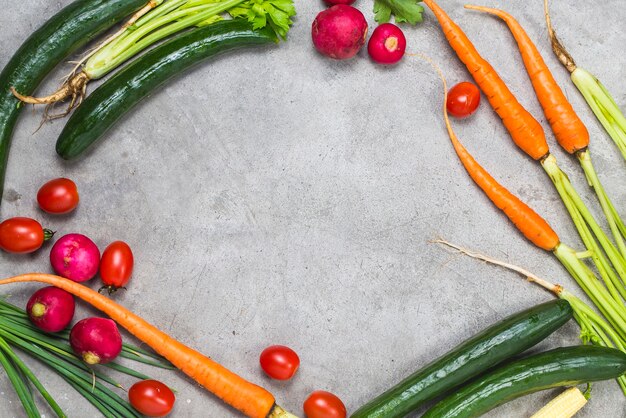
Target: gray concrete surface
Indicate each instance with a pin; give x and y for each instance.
(277, 197)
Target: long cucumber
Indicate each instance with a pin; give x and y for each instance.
(499, 342)
(105, 105)
(71, 28)
(560, 367)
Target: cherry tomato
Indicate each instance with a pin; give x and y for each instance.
(463, 99)
(116, 265)
(22, 235)
(279, 362)
(322, 404)
(58, 196)
(151, 398)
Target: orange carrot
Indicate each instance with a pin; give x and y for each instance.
(569, 130)
(527, 221)
(526, 132)
(250, 399)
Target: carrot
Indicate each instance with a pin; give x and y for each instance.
(533, 138)
(250, 399)
(596, 95)
(569, 130)
(526, 132)
(527, 221)
(537, 230)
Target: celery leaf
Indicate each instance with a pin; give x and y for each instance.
(275, 13)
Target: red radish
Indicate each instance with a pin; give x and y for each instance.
(51, 309)
(75, 257)
(96, 340)
(333, 2)
(339, 32)
(387, 44)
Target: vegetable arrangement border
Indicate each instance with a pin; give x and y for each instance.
(196, 30)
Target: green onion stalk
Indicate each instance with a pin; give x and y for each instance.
(612, 266)
(596, 95)
(54, 351)
(594, 329)
(613, 120)
(158, 20)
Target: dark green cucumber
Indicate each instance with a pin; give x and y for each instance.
(124, 90)
(495, 344)
(561, 367)
(61, 35)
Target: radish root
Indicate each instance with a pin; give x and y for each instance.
(564, 57)
(554, 288)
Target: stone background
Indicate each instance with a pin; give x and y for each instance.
(277, 197)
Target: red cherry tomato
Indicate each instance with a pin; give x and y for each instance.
(151, 398)
(463, 99)
(22, 235)
(58, 196)
(116, 265)
(322, 404)
(279, 362)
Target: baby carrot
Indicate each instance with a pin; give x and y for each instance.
(526, 132)
(568, 129)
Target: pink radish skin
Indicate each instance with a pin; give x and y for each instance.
(339, 32)
(333, 2)
(75, 257)
(96, 340)
(51, 309)
(387, 44)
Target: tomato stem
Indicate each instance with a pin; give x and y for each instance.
(48, 234)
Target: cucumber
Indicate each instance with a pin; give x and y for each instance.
(507, 338)
(560, 367)
(105, 105)
(71, 28)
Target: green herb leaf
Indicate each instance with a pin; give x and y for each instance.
(261, 13)
(405, 11)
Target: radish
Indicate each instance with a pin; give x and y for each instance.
(75, 257)
(51, 309)
(96, 340)
(387, 44)
(339, 32)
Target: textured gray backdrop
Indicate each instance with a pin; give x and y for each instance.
(277, 197)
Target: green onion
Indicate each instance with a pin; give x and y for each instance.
(26, 371)
(613, 269)
(603, 106)
(53, 350)
(596, 95)
(20, 386)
